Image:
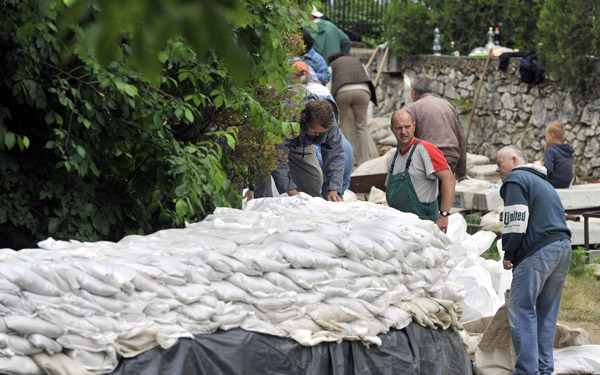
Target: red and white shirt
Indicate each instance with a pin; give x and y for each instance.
(426, 161)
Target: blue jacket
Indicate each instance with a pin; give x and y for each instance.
(319, 65)
(533, 214)
(332, 148)
(558, 160)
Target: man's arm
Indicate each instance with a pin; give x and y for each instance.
(281, 175)
(332, 151)
(461, 164)
(515, 218)
(344, 41)
(448, 183)
(549, 161)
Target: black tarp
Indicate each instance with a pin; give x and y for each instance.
(412, 350)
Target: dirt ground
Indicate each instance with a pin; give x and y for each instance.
(592, 328)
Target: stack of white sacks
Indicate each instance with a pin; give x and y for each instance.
(296, 267)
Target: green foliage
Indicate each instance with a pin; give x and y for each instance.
(409, 27)
(492, 252)
(108, 128)
(462, 104)
(569, 39)
(465, 22)
(579, 263)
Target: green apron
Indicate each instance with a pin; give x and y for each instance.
(400, 193)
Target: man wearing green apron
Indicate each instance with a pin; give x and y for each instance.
(414, 172)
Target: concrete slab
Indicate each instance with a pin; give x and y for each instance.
(475, 194)
(474, 159)
(579, 197)
(484, 172)
(576, 228)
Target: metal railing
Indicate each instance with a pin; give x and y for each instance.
(362, 17)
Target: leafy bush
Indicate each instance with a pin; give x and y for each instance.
(570, 40)
(465, 22)
(112, 124)
(579, 263)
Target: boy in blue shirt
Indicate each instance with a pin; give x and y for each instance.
(558, 156)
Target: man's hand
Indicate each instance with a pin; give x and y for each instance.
(442, 223)
(249, 195)
(507, 264)
(333, 196)
(292, 192)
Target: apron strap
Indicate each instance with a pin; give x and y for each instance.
(408, 161)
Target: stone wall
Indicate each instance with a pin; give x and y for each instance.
(508, 111)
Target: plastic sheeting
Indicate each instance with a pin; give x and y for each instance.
(412, 350)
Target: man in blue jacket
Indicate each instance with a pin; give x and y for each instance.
(537, 246)
(301, 171)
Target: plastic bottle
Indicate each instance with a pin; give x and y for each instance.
(490, 40)
(453, 50)
(497, 36)
(437, 48)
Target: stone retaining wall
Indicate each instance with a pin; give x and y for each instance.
(508, 111)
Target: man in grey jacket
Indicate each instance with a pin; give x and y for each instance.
(437, 122)
(301, 171)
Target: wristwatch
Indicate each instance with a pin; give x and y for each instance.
(444, 213)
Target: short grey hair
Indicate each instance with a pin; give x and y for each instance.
(398, 111)
(421, 84)
(512, 150)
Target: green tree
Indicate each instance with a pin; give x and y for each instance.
(570, 41)
(129, 117)
(465, 22)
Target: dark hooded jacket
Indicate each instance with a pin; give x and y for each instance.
(533, 215)
(558, 160)
(332, 150)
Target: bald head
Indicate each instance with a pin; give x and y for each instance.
(403, 128)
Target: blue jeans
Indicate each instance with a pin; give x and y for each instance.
(533, 306)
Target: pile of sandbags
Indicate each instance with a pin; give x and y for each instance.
(295, 267)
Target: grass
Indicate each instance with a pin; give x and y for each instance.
(580, 299)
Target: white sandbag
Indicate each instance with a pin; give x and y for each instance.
(59, 364)
(253, 284)
(18, 345)
(355, 305)
(306, 278)
(583, 359)
(307, 240)
(103, 361)
(198, 311)
(14, 304)
(232, 316)
(29, 325)
(226, 291)
(398, 318)
(45, 343)
(189, 293)
(62, 318)
(370, 247)
(274, 303)
(357, 268)
(261, 258)
(283, 281)
(80, 279)
(19, 365)
(23, 277)
(227, 264)
(112, 305)
(301, 257)
(415, 261)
